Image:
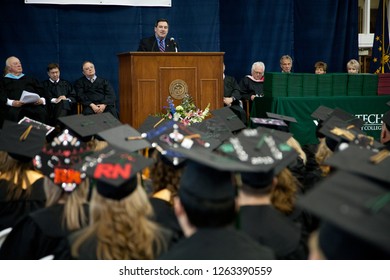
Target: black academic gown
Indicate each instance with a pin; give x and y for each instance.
(98, 92)
(150, 44)
(218, 244)
(250, 87)
(12, 211)
(36, 235)
(165, 216)
(13, 88)
(270, 228)
(232, 89)
(64, 107)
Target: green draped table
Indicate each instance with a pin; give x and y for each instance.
(369, 108)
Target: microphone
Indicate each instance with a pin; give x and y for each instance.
(174, 43)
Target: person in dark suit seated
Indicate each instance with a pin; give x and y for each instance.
(232, 96)
(96, 94)
(11, 88)
(62, 95)
(159, 41)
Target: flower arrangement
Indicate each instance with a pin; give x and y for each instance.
(186, 113)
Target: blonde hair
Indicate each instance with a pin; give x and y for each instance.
(323, 152)
(283, 195)
(353, 63)
(122, 228)
(297, 147)
(74, 216)
(20, 176)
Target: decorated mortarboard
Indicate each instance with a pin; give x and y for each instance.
(173, 134)
(338, 131)
(322, 113)
(386, 118)
(286, 119)
(362, 161)
(114, 171)
(150, 123)
(355, 204)
(203, 181)
(270, 123)
(347, 117)
(21, 141)
(58, 159)
(89, 125)
(37, 125)
(214, 128)
(229, 118)
(260, 149)
(125, 137)
(262, 179)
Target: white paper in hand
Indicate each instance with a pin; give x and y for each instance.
(29, 97)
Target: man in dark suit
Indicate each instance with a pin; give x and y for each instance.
(159, 41)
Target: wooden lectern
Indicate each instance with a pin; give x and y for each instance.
(146, 79)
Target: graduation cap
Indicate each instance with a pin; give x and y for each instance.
(22, 142)
(386, 118)
(203, 181)
(362, 161)
(260, 149)
(150, 123)
(229, 118)
(90, 125)
(347, 117)
(338, 131)
(114, 171)
(173, 134)
(125, 137)
(58, 159)
(274, 121)
(322, 113)
(353, 205)
(214, 128)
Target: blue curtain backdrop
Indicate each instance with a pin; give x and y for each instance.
(246, 31)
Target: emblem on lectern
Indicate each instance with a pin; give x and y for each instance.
(178, 89)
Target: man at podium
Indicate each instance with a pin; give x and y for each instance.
(159, 41)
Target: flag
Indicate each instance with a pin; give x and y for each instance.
(380, 49)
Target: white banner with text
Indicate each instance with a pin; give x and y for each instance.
(141, 3)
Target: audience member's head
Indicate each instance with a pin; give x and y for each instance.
(353, 66)
(320, 67)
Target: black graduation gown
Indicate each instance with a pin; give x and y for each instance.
(150, 44)
(165, 216)
(64, 107)
(232, 89)
(36, 235)
(249, 87)
(98, 92)
(270, 228)
(12, 211)
(13, 88)
(218, 244)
